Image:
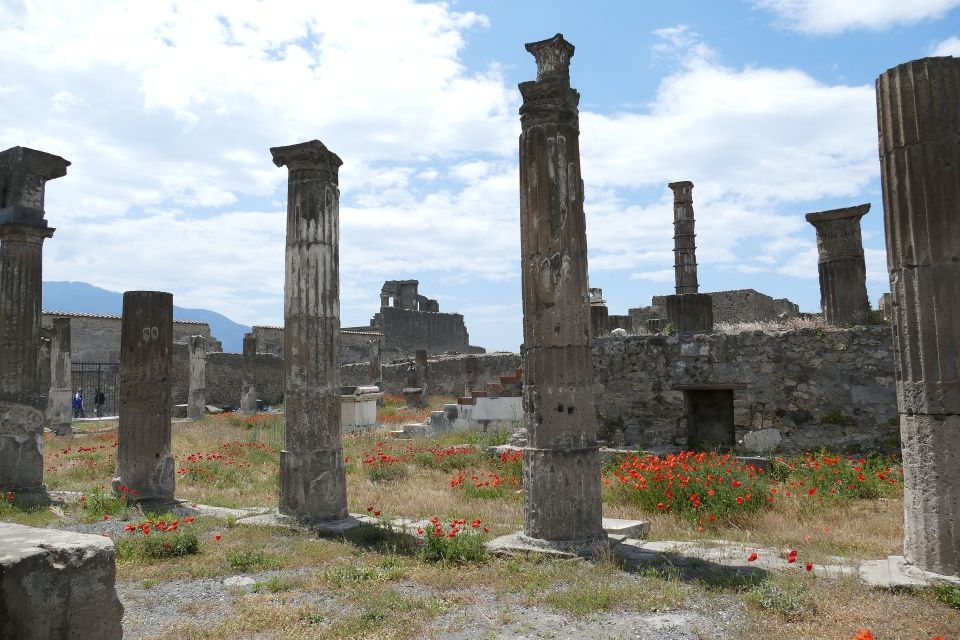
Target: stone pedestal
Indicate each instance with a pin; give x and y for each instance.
(59, 408)
(248, 391)
(313, 483)
(561, 464)
(843, 273)
(197, 396)
(684, 238)
(23, 176)
(920, 175)
(690, 312)
(144, 461)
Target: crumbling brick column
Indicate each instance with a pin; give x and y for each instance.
(561, 464)
(197, 396)
(23, 176)
(248, 393)
(843, 273)
(919, 125)
(313, 485)
(144, 460)
(684, 238)
(59, 408)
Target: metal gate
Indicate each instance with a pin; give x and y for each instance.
(88, 377)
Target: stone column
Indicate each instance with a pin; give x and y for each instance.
(420, 357)
(23, 176)
(59, 406)
(919, 125)
(248, 393)
(470, 375)
(843, 273)
(197, 397)
(561, 464)
(376, 372)
(144, 461)
(313, 484)
(684, 243)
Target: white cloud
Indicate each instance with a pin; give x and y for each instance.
(948, 47)
(827, 17)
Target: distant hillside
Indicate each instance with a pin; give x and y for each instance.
(81, 297)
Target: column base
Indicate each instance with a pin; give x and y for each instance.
(520, 544)
(313, 485)
(21, 447)
(561, 496)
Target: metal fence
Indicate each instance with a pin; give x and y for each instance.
(88, 377)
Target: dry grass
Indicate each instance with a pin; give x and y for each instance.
(792, 324)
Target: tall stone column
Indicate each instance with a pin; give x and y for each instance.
(684, 239)
(197, 396)
(919, 125)
(23, 176)
(144, 461)
(248, 393)
(59, 406)
(561, 464)
(313, 484)
(843, 273)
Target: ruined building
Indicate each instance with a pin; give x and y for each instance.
(410, 321)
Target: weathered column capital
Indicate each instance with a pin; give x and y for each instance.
(682, 191)
(838, 232)
(549, 99)
(23, 176)
(25, 232)
(553, 57)
(311, 155)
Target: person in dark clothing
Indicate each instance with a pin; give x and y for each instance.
(98, 401)
(78, 405)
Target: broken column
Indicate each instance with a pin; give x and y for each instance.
(197, 396)
(313, 485)
(23, 176)
(561, 464)
(376, 370)
(470, 375)
(59, 402)
(144, 461)
(684, 239)
(687, 310)
(919, 125)
(843, 273)
(415, 392)
(248, 392)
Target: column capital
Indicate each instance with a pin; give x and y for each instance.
(549, 98)
(838, 232)
(553, 58)
(682, 191)
(23, 176)
(847, 213)
(25, 232)
(308, 155)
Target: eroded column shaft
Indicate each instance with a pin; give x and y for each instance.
(248, 391)
(312, 474)
(197, 396)
(840, 265)
(59, 409)
(919, 125)
(144, 460)
(561, 462)
(684, 238)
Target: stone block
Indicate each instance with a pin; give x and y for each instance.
(762, 441)
(690, 312)
(57, 585)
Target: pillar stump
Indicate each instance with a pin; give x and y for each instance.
(248, 391)
(561, 462)
(689, 312)
(313, 483)
(840, 264)
(919, 124)
(197, 396)
(144, 461)
(59, 407)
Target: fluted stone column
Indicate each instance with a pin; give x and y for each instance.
(312, 476)
(248, 392)
(684, 238)
(59, 405)
(23, 176)
(197, 396)
(144, 461)
(561, 463)
(919, 125)
(843, 273)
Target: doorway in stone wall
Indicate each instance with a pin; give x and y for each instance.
(710, 418)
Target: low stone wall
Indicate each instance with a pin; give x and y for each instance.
(225, 377)
(830, 388)
(445, 373)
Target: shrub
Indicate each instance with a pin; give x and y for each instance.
(788, 596)
(948, 594)
(159, 539)
(453, 543)
(94, 505)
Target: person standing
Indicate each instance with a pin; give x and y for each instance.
(98, 401)
(78, 405)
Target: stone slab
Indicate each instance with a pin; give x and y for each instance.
(627, 528)
(515, 544)
(894, 572)
(57, 585)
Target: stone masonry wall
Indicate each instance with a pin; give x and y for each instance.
(820, 387)
(353, 343)
(406, 331)
(445, 373)
(225, 377)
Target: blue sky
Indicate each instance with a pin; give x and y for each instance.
(167, 111)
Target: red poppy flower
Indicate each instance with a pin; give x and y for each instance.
(809, 567)
(753, 556)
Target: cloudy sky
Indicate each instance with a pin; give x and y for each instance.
(167, 111)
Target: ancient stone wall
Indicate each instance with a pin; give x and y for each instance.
(405, 331)
(225, 377)
(445, 374)
(832, 388)
(353, 342)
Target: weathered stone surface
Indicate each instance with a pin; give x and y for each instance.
(919, 125)
(684, 238)
(57, 585)
(762, 440)
(21, 448)
(376, 372)
(561, 463)
(197, 398)
(312, 476)
(843, 273)
(248, 391)
(144, 461)
(690, 312)
(59, 409)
